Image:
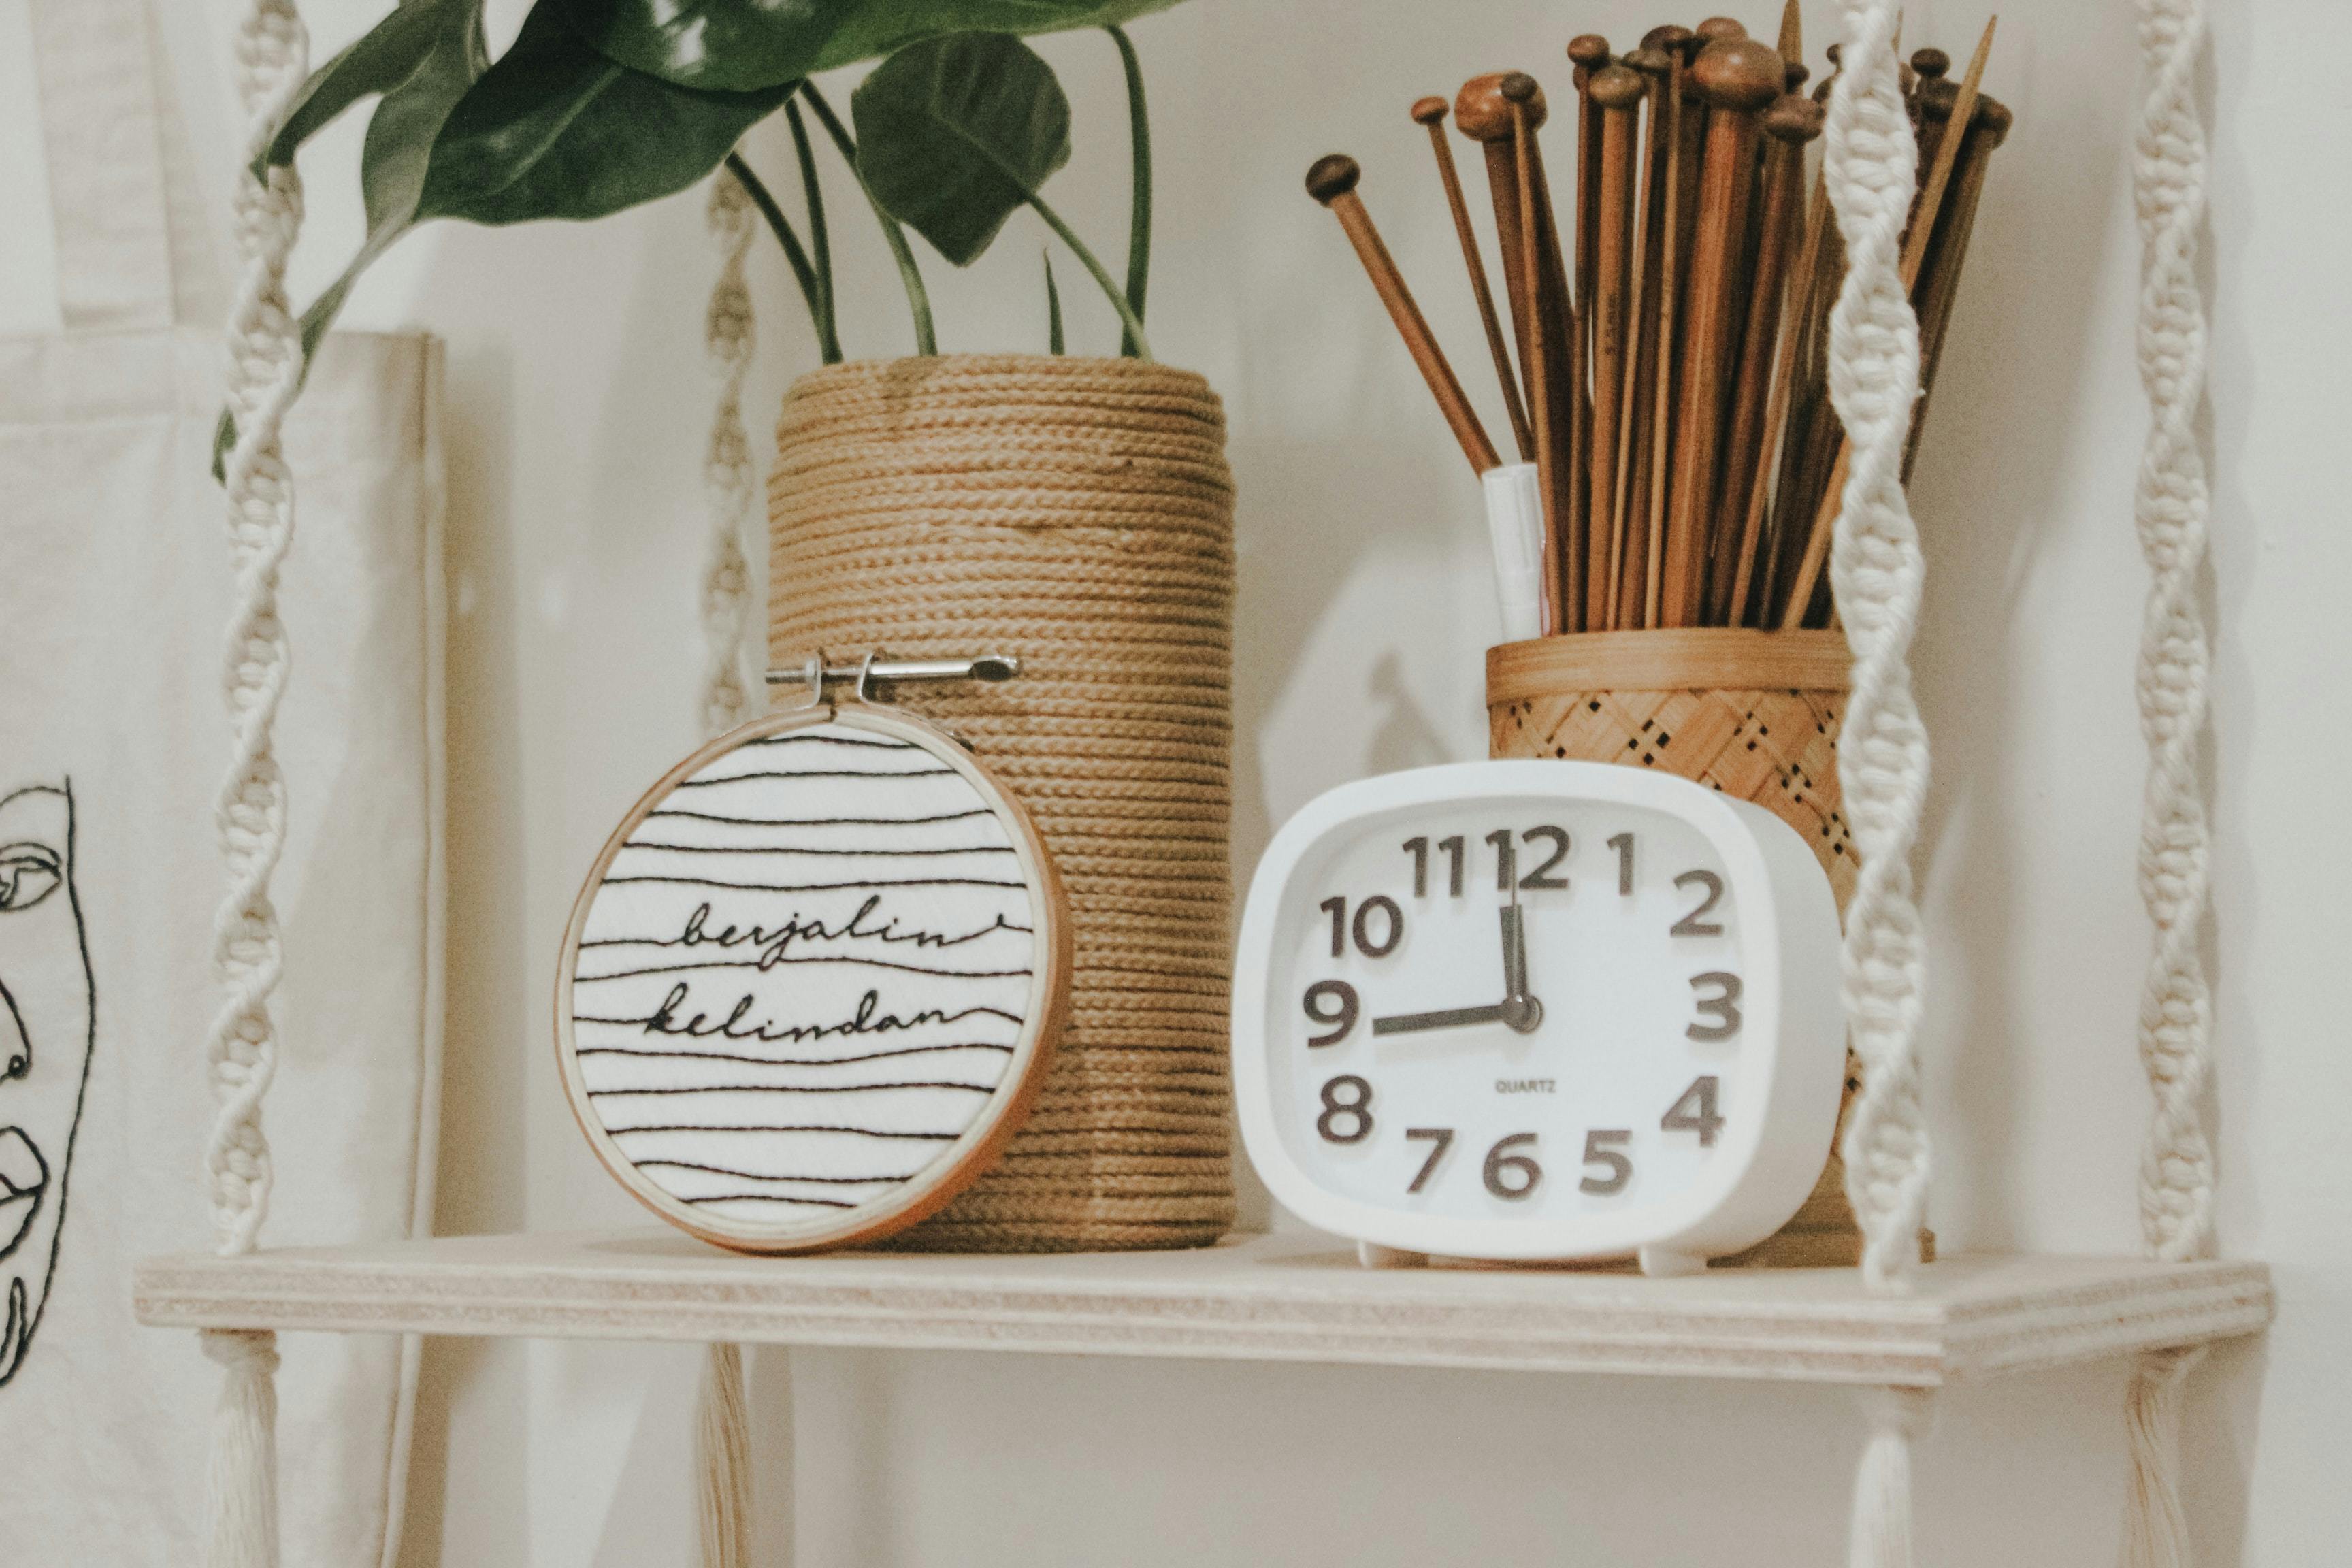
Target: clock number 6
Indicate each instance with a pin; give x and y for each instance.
(1333, 1003)
(1356, 1107)
(1724, 1007)
(1524, 1172)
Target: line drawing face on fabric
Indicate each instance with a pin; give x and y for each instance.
(47, 1011)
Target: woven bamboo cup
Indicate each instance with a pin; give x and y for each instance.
(1754, 714)
(1076, 514)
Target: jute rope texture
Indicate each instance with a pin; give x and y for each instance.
(1077, 514)
(263, 374)
(722, 1434)
(1877, 573)
(2171, 508)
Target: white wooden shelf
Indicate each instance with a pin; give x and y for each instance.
(1271, 1297)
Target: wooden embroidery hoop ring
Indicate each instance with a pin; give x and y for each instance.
(963, 1162)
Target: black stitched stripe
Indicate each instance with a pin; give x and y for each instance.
(788, 1061)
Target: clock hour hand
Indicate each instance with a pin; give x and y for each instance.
(1452, 1018)
(1521, 1009)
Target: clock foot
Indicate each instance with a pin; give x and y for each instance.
(1665, 1263)
(1371, 1254)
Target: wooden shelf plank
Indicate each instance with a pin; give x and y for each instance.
(1277, 1298)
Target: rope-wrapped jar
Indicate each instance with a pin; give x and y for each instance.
(1076, 514)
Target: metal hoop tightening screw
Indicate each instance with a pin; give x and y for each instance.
(875, 669)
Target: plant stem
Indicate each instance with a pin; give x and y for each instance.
(1069, 236)
(918, 300)
(1138, 228)
(1054, 343)
(1110, 290)
(785, 237)
(828, 326)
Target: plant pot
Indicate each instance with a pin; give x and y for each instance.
(1752, 714)
(1076, 514)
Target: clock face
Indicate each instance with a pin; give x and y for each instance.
(1520, 1023)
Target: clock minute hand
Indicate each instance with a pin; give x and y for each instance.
(1452, 1018)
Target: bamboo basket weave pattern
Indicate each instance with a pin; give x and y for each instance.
(1076, 514)
(1754, 714)
(1733, 710)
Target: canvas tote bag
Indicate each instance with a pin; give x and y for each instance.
(115, 587)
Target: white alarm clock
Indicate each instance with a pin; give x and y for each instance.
(1539, 1011)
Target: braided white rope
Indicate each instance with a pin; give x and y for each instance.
(2176, 1181)
(264, 365)
(1879, 1535)
(1875, 570)
(722, 1442)
(2170, 507)
(2155, 1529)
(727, 468)
(263, 374)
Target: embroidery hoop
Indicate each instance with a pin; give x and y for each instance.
(1008, 1105)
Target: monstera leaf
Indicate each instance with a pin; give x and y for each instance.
(556, 130)
(742, 45)
(956, 134)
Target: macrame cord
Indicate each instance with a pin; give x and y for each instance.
(722, 1445)
(263, 374)
(1877, 573)
(2170, 508)
(1869, 167)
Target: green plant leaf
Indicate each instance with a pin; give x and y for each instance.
(1054, 343)
(437, 64)
(883, 26)
(554, 130)
(742, 45)
(955, 134)
(384, 57)
(714, 45)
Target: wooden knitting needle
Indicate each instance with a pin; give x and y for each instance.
(1332, 182)
(1739, 79)
(1431, 112)
(1617, 92)
(1519, 89)
(1628, 551)
(1791, 43)
(1948, 151)
(1589, 52)
(1939, 277)
(1483, 114)
(1789, 124)
(1915, 251)
(1480, 113)
(1669, 294)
